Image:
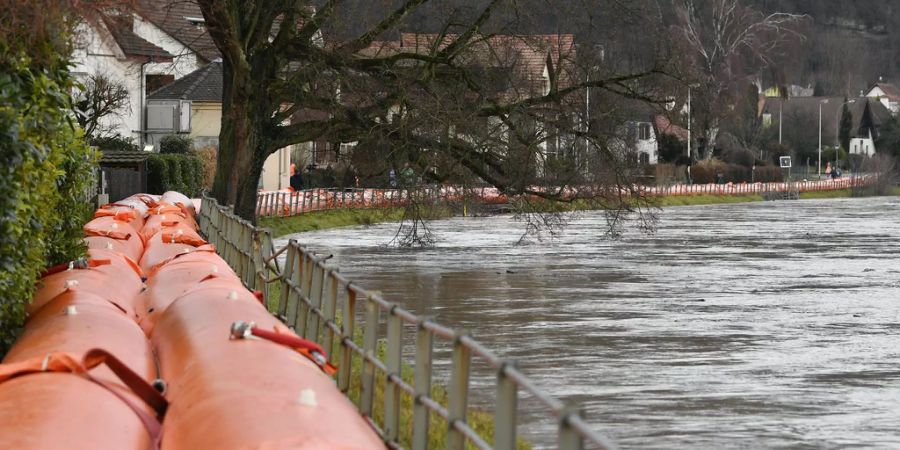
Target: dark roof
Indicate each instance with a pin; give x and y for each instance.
(201, 85)
(171, 17)
(130, 43)
(122, 157)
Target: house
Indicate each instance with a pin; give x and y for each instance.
(172, 71)
(868, 115)
(507, 69)
(886, 93)
(157, 43)
(192, 105)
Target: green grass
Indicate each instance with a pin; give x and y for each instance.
(323, 220)
(690, 200)
(840, 193)
(337, 218)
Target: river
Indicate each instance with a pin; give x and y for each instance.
(756, 325)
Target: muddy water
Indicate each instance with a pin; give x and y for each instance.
(765, 325)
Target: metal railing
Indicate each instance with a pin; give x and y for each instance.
(287, 204)
(322, 305)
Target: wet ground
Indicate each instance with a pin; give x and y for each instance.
(759, 325)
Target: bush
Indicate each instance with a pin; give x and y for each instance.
(115, 143)
(172, 172)
(706, 172)
(176, 144)
(208, 157)
(46, 170)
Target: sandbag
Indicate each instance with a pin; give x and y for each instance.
(57, 401)
(246, 393)
(64, 411)
(125, 213)
(75, 322)
(118, 281)
(159, 222)
(130, 245)
(169, 243)
(179, 199)
(177, 277)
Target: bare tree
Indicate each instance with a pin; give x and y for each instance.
(99, 98)
(462, 102)
(723, 36)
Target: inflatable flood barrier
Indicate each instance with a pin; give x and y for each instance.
(149, 273)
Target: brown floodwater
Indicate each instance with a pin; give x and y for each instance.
(759, 325)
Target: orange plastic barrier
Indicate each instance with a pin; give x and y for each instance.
(117, 280)
(158, 222)
(76, 322)
(168, 244)
(177, 277)
(128, 244)
(246, 393)
(55, 401)
(179, 199)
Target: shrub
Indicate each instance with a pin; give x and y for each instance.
(115, 143)
(706, 172)
(176, 144)
(45, 172)
(208, 157)
(172, 172)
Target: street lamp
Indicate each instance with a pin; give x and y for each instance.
(695, 85)
(819, 169)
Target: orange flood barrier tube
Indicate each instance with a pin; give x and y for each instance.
(246, 393)
(76, 322)
(55, 401)
(176, 277)
(113, 277)
(158, 222)
(168, 243)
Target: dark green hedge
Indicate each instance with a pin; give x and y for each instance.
(46, 170)
(175, 172)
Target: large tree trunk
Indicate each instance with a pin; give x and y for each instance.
(242, 144)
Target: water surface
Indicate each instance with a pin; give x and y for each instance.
(758, 325)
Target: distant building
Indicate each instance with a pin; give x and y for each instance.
(887, 94)
(192, 105)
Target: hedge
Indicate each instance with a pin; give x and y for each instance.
(706, 171)
(176, 144)
(175, 172)
(46, 169)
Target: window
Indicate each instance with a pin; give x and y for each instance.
(644, 132)
(644, 158)
(154, 82)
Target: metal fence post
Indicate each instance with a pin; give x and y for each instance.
(315, 300)
(569, 438)
(370, 346)
(507, 405)
(459, 394)
(394, 367)
(348, 322)
(422, 388)
(329, 311)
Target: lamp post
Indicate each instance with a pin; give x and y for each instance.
(819, 167)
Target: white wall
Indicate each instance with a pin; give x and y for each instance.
(276, 172)
(185, 60)
(879, 94)
(862, 146)
(96, 53)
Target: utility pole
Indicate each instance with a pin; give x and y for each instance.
(689, 124)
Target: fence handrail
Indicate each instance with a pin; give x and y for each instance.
(311, 293)
(286, 204)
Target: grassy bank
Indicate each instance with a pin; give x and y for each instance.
(323, 220)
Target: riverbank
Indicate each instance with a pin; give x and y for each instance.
(338, 218)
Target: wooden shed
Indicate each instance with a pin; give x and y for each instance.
(123, 173)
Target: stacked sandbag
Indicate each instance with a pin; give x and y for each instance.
(79, 375)
(231, 393)
(149, 273)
